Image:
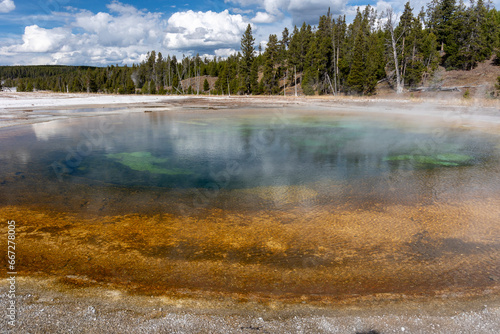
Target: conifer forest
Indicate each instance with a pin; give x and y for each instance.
(331, 58)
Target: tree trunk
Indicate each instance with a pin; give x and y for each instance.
(338, 72)
(399, 87)
(295, 70)
(334, 66)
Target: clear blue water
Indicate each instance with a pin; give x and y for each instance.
(237, 150)
(421, 200)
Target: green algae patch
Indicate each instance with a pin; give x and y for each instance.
(445, 159)
(146, 162)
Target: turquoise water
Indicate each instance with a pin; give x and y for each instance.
(237, 150)
(318, 197)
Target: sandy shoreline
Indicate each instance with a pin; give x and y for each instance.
(30, 108)
(47, 305)
(44, 307)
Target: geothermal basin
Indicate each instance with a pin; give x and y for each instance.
(277, 205)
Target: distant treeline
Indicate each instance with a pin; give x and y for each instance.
(334, 57)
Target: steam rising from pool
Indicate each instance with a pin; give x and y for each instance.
(272, 203)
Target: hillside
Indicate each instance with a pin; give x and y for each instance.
(482, 79)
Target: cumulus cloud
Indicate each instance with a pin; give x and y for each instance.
(310, 10)
(36, 39)
(272, 7)
(383, 6)
(130, 26)
(187, 30)
(224, 52)
(123, 35)
(7, 6)
(241, 11)
(262, 17)
(300, 10)
(121, 8)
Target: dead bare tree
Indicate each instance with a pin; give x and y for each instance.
(390, 26)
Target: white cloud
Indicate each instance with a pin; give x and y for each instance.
(300, 10)
(129, 27)
(190, 29)
(383, 6)
(121, 8)
(262, 17)
(224, 52)
(7, 6)
(310, 10)
(272, 7)
(241, 11)
(123, 35)
(36, 39)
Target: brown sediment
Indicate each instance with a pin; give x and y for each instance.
(328, 253)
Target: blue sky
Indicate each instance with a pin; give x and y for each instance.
(103, 32)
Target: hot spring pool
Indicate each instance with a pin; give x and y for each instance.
(270, 203)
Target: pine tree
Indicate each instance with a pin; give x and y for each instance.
(176, 84)
(410, 35)
(375, 61)
(21, 86)
(308, 80)
(206, 85)
(152, 87)
(430, 55)
(335, 57)
(247, 47)
(440, 15)
(222, 83)
(294, 50)
(159, 70)
(474, 46)
(492, 29)
(445, 19)
(234, 81)
(339, 37)
(311, 69)
(90, 82)
(325, 53)
(299, 46)
(282, 58)
(254, 77)
(130, 87)
(357, 76)
(403, 32)
(269, 79)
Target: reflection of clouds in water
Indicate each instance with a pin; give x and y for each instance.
(21, 156)
(67, 128)
(203, 141)
(80, 133)
(268, 156)
(45, 131)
